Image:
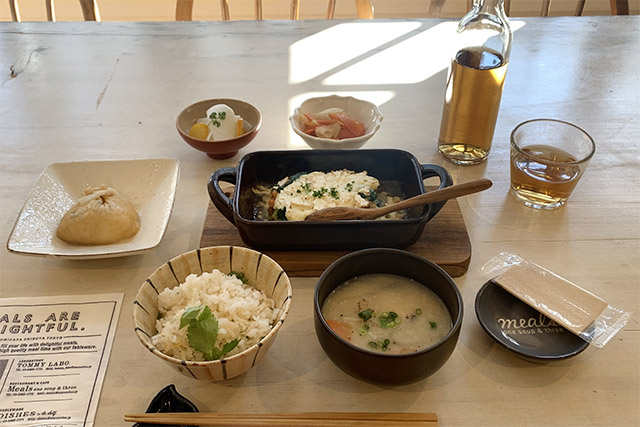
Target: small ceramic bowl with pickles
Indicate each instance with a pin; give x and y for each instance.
(220, 133)
(355, 123)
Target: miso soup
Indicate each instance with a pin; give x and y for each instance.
(387, 313)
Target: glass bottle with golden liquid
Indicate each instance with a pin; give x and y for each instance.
(474, 83)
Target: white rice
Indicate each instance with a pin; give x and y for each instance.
(243, 313)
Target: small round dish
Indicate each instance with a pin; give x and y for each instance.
(166, 401)
(523, 330)
(226, 148)
(362, 111)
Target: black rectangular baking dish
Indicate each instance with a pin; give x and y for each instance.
(391, 167)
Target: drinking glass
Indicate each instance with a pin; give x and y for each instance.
(548, 157)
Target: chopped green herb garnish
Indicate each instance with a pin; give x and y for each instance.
(349, 186)
(363, 331)
(334, 193)
(240, 276)
(389, 319)
(366, 314)
(320, 193)
(203, 331)
(217, 117)
(418, 311)
(433, 325)
(385, 323)
(382, 345)
(307, 188)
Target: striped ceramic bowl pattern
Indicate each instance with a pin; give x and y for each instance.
(261, 272)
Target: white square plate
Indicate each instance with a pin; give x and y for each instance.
(149, 184)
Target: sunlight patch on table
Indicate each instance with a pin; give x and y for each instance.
(410, 61)
(377, 97)
(328, 49)
(516, 25)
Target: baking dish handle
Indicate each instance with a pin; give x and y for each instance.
(217, 196)
(429, 171)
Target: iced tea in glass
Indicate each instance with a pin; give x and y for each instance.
(548, 157)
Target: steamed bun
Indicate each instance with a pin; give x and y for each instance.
(101, 217)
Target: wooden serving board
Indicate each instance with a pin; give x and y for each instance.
(444, 241)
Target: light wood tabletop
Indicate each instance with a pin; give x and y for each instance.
(87, 91)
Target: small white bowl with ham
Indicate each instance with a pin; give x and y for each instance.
(336, 122)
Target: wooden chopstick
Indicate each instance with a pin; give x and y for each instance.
(303, 419)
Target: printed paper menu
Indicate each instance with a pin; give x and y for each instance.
(53, 358)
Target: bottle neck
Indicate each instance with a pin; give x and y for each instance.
(488, 3)
(486, 24)
(492, 7)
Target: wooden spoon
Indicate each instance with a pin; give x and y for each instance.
(343, 213)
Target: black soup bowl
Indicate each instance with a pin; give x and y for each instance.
(381, 368)
(398, 171)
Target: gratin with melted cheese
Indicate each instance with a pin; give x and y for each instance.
(295, 197)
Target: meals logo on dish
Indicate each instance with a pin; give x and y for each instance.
(532, 325)
(26, 324)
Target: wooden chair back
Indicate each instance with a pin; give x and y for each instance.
(184, 9)
(364, 8)
(618, 7)
(90, 11)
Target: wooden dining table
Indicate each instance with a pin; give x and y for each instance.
(76, 91)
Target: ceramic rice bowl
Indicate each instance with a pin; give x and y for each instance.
(261, 272)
